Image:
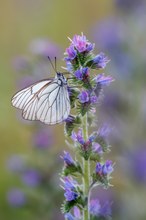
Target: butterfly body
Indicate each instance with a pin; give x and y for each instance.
(47, 100)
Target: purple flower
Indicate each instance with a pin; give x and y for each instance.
(69, 216)
(70, 189)
(100, 61)
(68, 159)
(84, 97)
(81, 73)
(78, 137)
(107, 168)
(103, 80)
(16, 197)
(43, 139)
(77, 212)
(95, 207)
(70, 195)
(31, 178)
(90, 47)
(70, 118)
(69, 66)
(69, 183)
(81, 43)
(96, 148)
(92, 137)
(104, 169)
(16, 163)
(93, 99)
(71, 52)
(98, 168)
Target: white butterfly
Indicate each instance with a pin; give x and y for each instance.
(47, 100)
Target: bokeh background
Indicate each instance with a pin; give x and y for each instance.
(30, 152)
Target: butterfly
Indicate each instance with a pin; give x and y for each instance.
(46, 101)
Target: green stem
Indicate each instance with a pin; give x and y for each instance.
(86, 170)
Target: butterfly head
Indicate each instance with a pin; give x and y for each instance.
(61, 78)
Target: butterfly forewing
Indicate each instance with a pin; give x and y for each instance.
(46, 101)
(23, 97)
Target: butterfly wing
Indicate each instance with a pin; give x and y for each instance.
(54, 106)
(45, 101)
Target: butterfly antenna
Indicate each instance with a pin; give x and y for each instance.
(54, 68)
(56, 64)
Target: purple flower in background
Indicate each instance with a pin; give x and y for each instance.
(106, 210)
(104, 131)
(16, 163)
(78, 137)
(84, 97)
(43, 139)
(68, 159)
(103, 80)
(44, 47)
(138, 163)
(109, 34)
(20, 63)
(71, 52)
(31, 178)
(107, 168)
(81, 73)
(129, 4)
(25, 81)
(95, 207)
(100, 61)
(16, 197)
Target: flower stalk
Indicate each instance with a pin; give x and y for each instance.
(86, 171)
(78, 177)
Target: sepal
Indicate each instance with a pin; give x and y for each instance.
(76, 168)
(71, 123)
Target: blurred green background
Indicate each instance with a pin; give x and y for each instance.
(118, 28)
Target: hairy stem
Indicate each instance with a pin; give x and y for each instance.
(86, 170)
